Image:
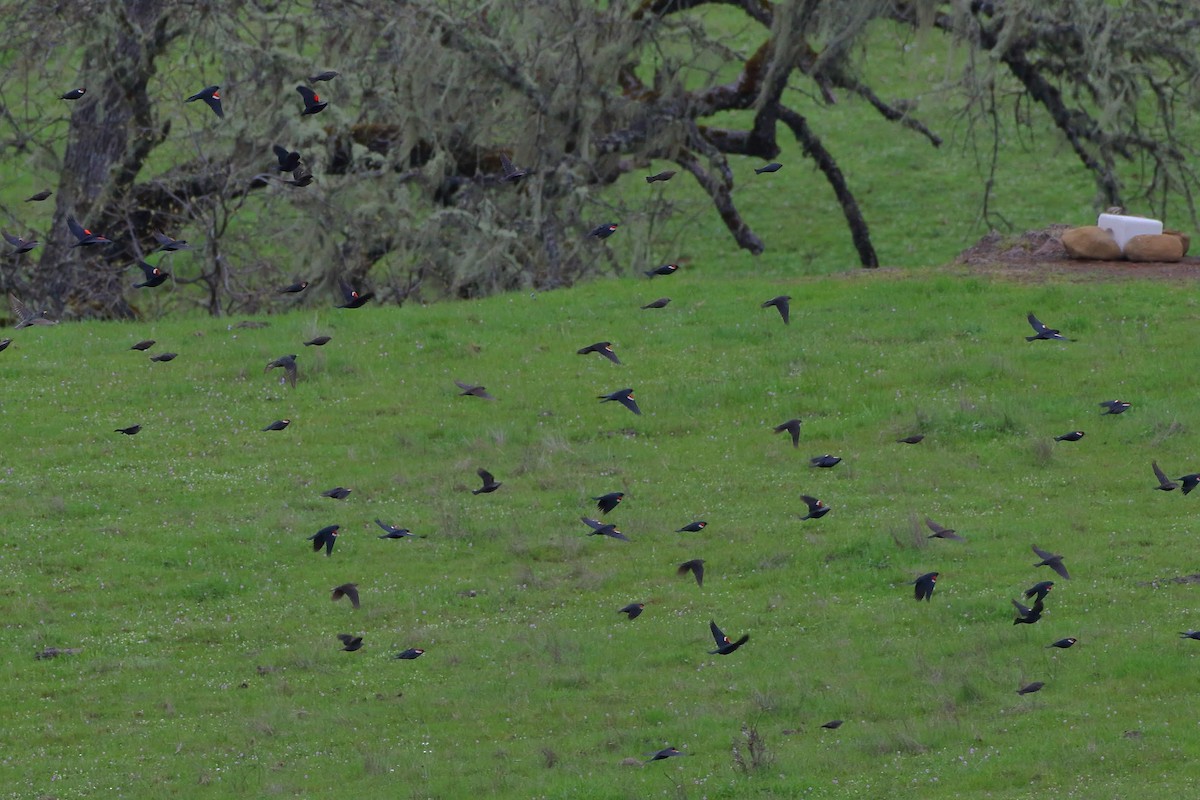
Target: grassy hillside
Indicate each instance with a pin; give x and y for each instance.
(177, 559)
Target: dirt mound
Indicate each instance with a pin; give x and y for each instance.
(1039, 254)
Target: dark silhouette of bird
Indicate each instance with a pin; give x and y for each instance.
(1190, 635)
(351, 643)
(212, 97)
(634, 610)
(816, 508)
(348, 590)
(824, 462)
(130, 431)
(607, 502)
(318, 341)
(4, 343)
(665, 269)
(84, 237)
(914, 439)
(1164, 483)
(287, 364)
(941, 533)
(622, 396)
(490, 484)
(410, 654)
(665, 175)
(1050, 560)
(1041, 589)
(792, 426)
(299, 286)
(313, 104)
(659, 303)
(326, 537)
(1063, 644)
(278, 425)
(74, 94)
(25, 317)
(724, 646)
(666, 752)
(143, 345)
(392, 532)
(774, 166)
(473, 390)
(603, 348)
(604, 231)
(1073, 436)
(164, 357)
(603, 529)
(1042, 331)
(288, 160)
(1115, 407)
(509, 171)
(168, 245)
(782, 304)
(1189, 481)
(1027, 615)
(154, 276)
(301, 176)
(337, 493)
(693, 527)
(353, 298)
(924, 586)
(327, 75)
(20, 245)
(695, 566)
(39, 197)
(1030, 688)
(833, 724)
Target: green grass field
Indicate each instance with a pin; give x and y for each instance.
(177, 559)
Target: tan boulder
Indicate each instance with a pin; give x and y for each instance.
(1154, 247)
(1183, 237)
(1091, 241)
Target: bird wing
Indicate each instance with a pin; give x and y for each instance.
(1158, 473)
(630, 403)
(22, 313)
(1056, 564)
(351, 591)
(718, 636)
(608, 353)
(595, 525)
(15, 241)
(812, 502)
(76, 229)
(385, 526)
(1042, 554)
(486, 476)
(1023, 610)
(1037, 324)
(933, 526)
(310, 97)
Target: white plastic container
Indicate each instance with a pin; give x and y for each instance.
(1124, 228)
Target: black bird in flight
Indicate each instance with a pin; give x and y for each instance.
(782, 304)
(666, 752)
(825, 462)
(39, 197)
(313, 104)
(327, 75)
(724, 646)
(278, 425)
(4, 343)
(337, 493)
(301, 176)
(392, 532)
(473, 390)
(665, 175)
(665, 269)
(349, 590)
(85, 237)
(351, 643)
(74, 94)
(1041, 589)
(509, 171)
(19, 244)
(924, 586)
(1042, 331)
(634, 610)
(287, 364)
(318, 341)
(326, 537)
(1063, 644)
(1115, 407)
(1189, 481)
(792, 426)
(914, 439)
(164, 357)
(1164, 483)
(130, 431)
(1190, 635)
(212, 97)
(941, 533)
(622, 396)
(154, 276)
(353, 298)
(695, 566)
(659, 303)
(1027, 615)
(288, 160)
(604, 231)
(1030, 688)
(1073, 436)
(816, 508)
(833, 724)
(603, 529)
(410, 654)
(607, 502)
(603, 348)
(489, 483)
(1050, 560)
(168, 245)
(299, 286)
(774, 166)
(693, 527)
